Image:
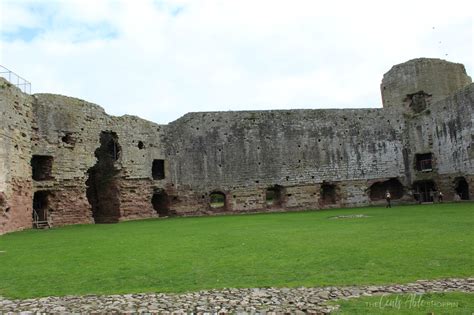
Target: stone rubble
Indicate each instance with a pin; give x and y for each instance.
(258, 300)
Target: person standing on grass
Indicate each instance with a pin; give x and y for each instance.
(440, 196)
(388, 197)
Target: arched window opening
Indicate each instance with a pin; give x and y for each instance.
(217, 200)
(274, 196)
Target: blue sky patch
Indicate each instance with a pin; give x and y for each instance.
(176, 11)
(26, 34)
(86, 32)
(173, 10)
(48, 18)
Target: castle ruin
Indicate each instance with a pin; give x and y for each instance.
(65, 161)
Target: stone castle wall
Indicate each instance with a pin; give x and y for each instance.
(445, 129)
(243, 153)
(57, 117)
(108, 169)
(15, 153)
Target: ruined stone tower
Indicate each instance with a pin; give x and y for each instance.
(68, 162)
(434, 79)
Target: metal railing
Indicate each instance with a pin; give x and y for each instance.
(15, 79)
(35, 217)
(40, 222)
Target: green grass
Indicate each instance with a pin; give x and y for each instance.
(395, 245)
(435, 303)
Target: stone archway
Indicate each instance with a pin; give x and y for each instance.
(217, 201)
(161, 203)
(462, 188)
(328, 194)
(274, 196)
(377, 190)
(41, 204)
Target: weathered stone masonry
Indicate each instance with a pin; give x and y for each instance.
(74, 163)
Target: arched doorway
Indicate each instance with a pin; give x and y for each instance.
(328, 194)
(161, 203)
(217, 200)
(273, 196)
(377, 190)
(40, 205)
(462, 188)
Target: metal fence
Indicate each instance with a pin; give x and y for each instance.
(15, 79)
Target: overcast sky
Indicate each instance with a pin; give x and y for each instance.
(161, 59)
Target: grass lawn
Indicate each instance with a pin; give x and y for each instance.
(395, 245)
(435, 303)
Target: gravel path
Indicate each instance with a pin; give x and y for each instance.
(294, 300)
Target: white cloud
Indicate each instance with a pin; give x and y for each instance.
(161, 59)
